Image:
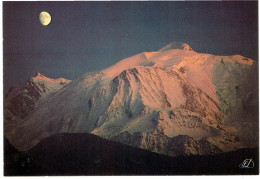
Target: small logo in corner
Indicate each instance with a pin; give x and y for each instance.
(247, 163)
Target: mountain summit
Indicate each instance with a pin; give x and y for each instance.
(177, 45)
(174, 101)
(22, 99)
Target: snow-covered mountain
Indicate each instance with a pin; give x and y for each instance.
(174, 101)
(22, 99)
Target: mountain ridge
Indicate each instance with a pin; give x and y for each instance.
(168, 93)
(87, 154)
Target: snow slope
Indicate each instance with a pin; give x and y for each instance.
(174, 101)
(22, 99)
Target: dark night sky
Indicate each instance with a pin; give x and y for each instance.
(89, 36)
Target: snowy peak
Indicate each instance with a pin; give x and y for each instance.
(44, 85)
(39, 77)
(22, 99)
(174, 101)
(175, 55)
(141, 59)
(176, 45)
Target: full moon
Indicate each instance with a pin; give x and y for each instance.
(45, 18)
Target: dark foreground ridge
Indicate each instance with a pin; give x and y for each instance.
(87, 154)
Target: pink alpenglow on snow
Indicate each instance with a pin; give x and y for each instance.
(159, 101)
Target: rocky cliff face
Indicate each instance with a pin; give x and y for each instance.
(174, 101)
(173, 146)
(21, 100)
